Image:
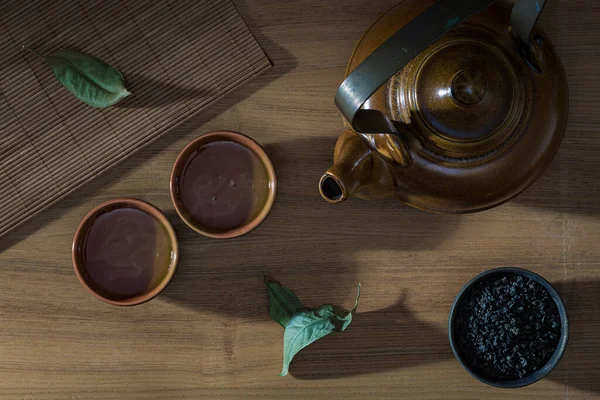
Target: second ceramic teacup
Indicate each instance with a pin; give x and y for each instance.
(223, 184)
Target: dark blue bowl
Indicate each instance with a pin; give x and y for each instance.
(560, 348)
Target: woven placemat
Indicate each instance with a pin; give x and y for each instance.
(177, 56)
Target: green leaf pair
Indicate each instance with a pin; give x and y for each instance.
(303, 326)
(91, 80)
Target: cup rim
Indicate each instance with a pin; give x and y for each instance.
(245, 141)
(560, 347)
(150, 209)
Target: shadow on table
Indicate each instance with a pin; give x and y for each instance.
(315, 249)
(568, 186)
(283, 62)
(580, 367)
(306, 243)
(376, 341)
(149, 92)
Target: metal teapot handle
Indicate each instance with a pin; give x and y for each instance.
(406, 44)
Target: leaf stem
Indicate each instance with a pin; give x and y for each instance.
(357, 298)
(34, 52)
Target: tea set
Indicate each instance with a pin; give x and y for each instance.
(449, 106)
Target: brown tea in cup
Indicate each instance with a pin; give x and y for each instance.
(125, 251)
(223, 184)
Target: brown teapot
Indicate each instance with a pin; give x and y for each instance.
(451, 106)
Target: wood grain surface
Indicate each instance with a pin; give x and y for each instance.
(209, 334)
(192, 54)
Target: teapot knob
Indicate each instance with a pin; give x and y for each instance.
(469, 87)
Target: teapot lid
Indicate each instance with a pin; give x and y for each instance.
(466, 90)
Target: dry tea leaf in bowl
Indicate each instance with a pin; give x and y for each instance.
(91, 80)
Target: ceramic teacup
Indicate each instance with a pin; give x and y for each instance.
(125, 251)
(223, 184)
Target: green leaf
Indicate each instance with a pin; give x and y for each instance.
(304, 328)
(307, 326)
(347, 319)
(91, 80)
(283, 303)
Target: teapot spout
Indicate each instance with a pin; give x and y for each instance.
(339, 184)
(358, 171)
(332, 189)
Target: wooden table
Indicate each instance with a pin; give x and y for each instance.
(209, 334)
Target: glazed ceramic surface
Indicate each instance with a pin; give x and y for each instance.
(477, 122)
(223, 184)
(125, 251)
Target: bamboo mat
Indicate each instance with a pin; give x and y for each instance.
(177, 56)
